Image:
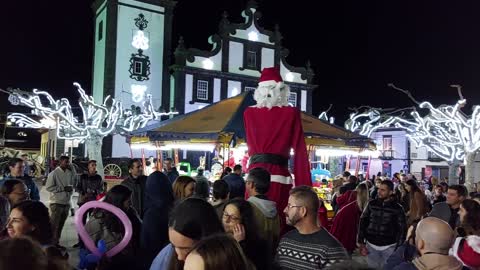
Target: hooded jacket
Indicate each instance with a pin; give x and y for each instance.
(268, 222)
(158, 202)
(137, 185)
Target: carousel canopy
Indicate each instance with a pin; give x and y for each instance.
(223, 122)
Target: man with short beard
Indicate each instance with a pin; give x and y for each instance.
(309, 246)
(382, 227)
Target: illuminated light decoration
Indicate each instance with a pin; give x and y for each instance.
(235, 91)
(138, 92)
(13, 100)
(289, 77)
(207, 64)
(445, 131)
(140, 41)
(98, 120)
(323, 116)
(253, 36)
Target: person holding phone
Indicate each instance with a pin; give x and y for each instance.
(60, 185)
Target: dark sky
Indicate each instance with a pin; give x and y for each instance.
(355, 47)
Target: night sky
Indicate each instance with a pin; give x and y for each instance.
(355, 47)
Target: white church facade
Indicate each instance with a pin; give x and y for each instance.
(133, 57)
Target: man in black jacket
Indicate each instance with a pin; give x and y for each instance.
(136, 181)
(382, 227)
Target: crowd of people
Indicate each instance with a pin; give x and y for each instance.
(182, 222)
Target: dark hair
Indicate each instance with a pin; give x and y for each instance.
(196, 219)
(476, 196)
(414, 186)
(132, 161)
(346, 174)
(343, 189)
(472, 220)
(116, 196)
(247, 220)
(62, 158)
(37, 215)
(91, 161)
(169, 159)
(396, 175)
(179, 186)
(12, 162)
(308, 196)
(461, 190)
(220, 189)
(221, 251)
(260, 178)
(22, 254)
(237, 167)
(9, 185)
(438, 186)
(352, 179)
(388, 183)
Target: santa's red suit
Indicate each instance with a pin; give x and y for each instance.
(271, 132)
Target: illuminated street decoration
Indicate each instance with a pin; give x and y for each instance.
(96, 121)
(445, 130)
(207, 64)
(138, 92)
(140, 41)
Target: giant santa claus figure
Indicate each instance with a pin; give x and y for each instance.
(272, 129)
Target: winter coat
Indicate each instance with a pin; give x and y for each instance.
(172, 174)
(268, 222)
(382, 223)
(345, 226)
(137, 185)
(202, 187)
(236, 184)
(88, 187)
(28, 181)
(158, 203)
(346, 198)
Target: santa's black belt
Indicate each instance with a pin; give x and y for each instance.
(269, 158)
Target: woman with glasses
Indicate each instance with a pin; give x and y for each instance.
(15, 191)
(238, 220)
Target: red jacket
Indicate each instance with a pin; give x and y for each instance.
(345, 225)
(346, 198)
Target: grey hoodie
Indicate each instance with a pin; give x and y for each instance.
(268, 208)
(268, 222)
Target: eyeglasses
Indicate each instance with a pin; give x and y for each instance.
(226, 216)
(292, 206)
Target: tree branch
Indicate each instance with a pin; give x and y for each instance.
(406, 92)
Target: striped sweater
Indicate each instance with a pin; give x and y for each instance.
(309, 251)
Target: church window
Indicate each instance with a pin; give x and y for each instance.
(100, 30)
(292, 99)
(251, 59)
(202, 90)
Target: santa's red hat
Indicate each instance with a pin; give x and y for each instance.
(271, 74)
(468, 251)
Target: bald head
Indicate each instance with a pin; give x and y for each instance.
(434, 235)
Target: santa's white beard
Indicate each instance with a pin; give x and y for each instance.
(271, 95)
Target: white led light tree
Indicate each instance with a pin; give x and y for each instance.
(444, 130)
(96, 122)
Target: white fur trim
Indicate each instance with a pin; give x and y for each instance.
(271, 94)
(454, 250)
(286, 180)
(474, 242)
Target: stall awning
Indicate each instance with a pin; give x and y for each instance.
(222, 121)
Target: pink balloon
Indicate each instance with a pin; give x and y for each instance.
(89, 244)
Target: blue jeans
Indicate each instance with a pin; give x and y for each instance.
(377, 258)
